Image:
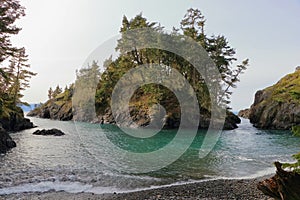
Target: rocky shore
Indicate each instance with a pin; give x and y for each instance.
(209, 190)
(14, 123)
(57, 109)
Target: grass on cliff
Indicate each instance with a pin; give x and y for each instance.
(287, 89)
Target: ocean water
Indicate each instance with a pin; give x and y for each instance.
(81, 160)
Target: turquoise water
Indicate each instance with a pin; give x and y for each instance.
(81, 161)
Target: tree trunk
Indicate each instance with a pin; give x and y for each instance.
(283, 186)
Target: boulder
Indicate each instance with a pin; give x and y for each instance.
(54, 132)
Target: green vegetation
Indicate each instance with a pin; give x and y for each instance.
(58, 106)
(192, 25)
(296, 130)
(294, 166)
(287, 89)
(14, 70)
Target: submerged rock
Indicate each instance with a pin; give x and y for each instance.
(54, 132)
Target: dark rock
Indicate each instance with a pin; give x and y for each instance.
(231, 121)
(244, 113)
(54, 132)
(6, 141)
(16, 122)
(171, 121)
(12, 123)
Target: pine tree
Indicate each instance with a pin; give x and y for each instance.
(10, 11)
(57, 91)
(19, 75)
(50, 93)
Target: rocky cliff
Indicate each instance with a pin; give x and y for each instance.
(278, 106)
(15, 122)
(58, 108)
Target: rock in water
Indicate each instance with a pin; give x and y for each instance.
(6, 141)
(278, 106)
(54, 132)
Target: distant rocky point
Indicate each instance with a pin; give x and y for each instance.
(244, 113)
(278, 106)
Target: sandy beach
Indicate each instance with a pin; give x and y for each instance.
(214, 189)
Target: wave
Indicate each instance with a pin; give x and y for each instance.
(78, 187)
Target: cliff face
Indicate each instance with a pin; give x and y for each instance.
(278, 106)
(58, 108)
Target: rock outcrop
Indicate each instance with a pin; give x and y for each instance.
(15, 122)
(6, 141)
(56, 109)
(142, 118)
(244, 113)
(54, 132)
(278, 106)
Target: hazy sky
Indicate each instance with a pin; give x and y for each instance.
(60, 34)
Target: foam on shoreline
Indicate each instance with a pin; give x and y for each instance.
(78, 187)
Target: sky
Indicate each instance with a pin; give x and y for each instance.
(59, 35)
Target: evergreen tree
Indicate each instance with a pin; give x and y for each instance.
(193, 25)
(19, 75)
(14, 78)
(50, 93)
(57, 91)
(10, 11)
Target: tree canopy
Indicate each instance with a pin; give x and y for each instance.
(14, 69)
(193, 26)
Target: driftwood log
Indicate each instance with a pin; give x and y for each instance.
(285, 185)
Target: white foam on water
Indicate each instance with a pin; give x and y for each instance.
(70, 187)
(77, 187)
(261, 173)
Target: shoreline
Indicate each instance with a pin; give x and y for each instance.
(210, 189)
